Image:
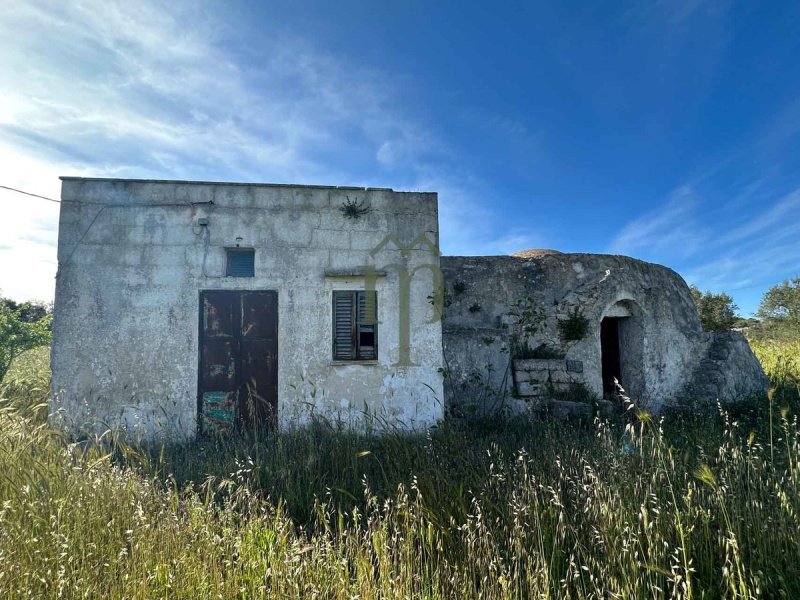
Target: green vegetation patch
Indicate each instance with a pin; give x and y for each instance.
(574, 327)
(636, 508)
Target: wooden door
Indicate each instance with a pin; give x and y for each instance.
(238, 374)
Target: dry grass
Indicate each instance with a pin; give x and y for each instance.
(514, 510)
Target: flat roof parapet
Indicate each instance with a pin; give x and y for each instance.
(236, 183)
(112, 191)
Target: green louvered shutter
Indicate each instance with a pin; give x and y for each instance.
(355, 325)
(344, 347)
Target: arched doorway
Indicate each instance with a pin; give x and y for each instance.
(622, 349)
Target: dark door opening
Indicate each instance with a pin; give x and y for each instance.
(238, 378)
(609, 350)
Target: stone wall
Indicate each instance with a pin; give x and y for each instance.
(134, 255)
(727, 368)
(664, 350)
(536, 377)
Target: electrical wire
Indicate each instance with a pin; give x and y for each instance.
(5, 187)
(103, 206)
(12, 189)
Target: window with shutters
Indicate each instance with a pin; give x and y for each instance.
(240, 262)
(355, 325)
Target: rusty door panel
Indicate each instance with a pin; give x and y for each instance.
(260, 315)
(259, 361)
(219, 314)
(259, 358)
(238, 379)
(218, 367)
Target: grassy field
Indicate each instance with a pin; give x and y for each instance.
(703, 504)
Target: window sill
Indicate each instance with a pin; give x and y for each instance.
(342, 363)
(354, 272)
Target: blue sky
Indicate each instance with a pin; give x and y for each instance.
(668, 131)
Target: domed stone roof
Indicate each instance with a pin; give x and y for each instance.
(535, 253)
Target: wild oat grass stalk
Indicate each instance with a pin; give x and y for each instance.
(679, 507)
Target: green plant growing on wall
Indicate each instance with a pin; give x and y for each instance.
(459, 287)
(529, 316)
(575, 391)
(574, 327)
(540, 351)
(354, 209)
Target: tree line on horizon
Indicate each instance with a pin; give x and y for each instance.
(778, 313)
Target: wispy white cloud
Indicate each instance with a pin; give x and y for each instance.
(142, 90)
(743, 250)
(27, 227)
(670, 230)
(154, 85)
(770, 223)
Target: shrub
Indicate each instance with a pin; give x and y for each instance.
(575, 391)
(574, 327)
(523, 351)
(354, 209)
(717, 311)
(17, 334)
(528, 317)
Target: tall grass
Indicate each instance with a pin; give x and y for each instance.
(513, 510)
(27, 382)
(781, 362)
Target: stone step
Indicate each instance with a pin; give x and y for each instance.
(562, 409)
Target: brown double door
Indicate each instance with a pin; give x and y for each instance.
(238, 378)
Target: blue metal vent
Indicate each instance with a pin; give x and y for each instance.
(241, 263)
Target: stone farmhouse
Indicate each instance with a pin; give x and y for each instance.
(185, 307)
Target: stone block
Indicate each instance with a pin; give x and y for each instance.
(344, 259)
(525, 389)
(332, 239)
(366, 240)
(299, 234)
(539, 364)
(606, 408)
(532, 376)
(562, 377)
(570, 410)
(310, 197)
(575, 366)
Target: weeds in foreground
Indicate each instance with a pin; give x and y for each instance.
(599, 512)
(678, 507)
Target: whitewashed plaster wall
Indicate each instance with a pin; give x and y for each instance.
(133, 258)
